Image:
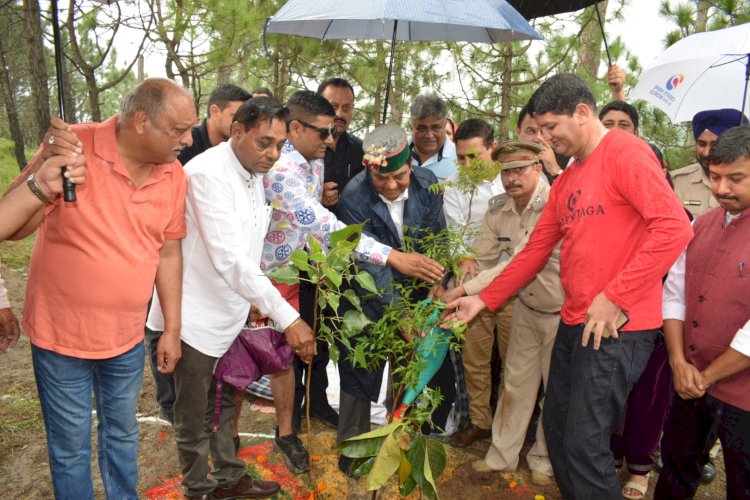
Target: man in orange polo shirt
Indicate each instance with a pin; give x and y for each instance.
(92, 271)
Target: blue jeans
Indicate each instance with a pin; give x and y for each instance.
(65, 384)
(586, 394)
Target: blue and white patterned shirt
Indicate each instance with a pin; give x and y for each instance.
(294, 188)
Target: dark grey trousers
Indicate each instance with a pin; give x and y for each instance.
(586, 395)
(354, 417)
(193, 424)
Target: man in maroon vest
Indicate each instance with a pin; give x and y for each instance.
(705, 307)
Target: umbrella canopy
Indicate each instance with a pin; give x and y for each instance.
(703, 71)
(415, 20)
(531, 9)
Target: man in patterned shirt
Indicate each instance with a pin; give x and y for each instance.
(294, 187)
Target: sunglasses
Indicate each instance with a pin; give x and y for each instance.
(323, 132)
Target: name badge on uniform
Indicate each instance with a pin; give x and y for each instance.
(691, 203)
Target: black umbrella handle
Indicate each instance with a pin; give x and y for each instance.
(604, 35)
(390, 72)
(69, 189)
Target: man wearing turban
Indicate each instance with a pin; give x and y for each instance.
(690, 183)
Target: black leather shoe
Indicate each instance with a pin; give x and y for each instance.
(293, 451)
(246, 487)
(709, 472)
(469, 436)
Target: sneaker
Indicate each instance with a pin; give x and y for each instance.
(293, 451)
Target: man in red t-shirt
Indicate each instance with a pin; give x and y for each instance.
(621, 228)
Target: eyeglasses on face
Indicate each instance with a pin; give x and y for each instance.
(323, 132)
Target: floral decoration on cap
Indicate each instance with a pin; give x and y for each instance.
(385, 149)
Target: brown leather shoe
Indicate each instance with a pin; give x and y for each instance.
(247, 487)
(470, 434)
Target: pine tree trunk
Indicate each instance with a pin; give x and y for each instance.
(37, 68)
(589, 55)
(10, 106)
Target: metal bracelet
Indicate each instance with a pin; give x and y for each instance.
(31, 181)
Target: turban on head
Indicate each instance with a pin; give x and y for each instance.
(717, 121)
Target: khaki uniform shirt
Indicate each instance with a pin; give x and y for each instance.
(693, 189)
(506, 231)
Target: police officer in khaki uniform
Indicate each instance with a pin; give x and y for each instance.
(690, 183)
(507, 225)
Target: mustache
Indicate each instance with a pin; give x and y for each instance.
(512, 185)
(340, 119)
(729, 198)
(179, 149)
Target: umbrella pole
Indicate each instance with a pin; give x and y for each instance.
(69, 189)
(604, 35)
(747, 81)
(390, 71)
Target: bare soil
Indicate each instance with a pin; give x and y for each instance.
(24, 472)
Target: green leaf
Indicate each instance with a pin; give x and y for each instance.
(332, 300)
(362, 466)
(333, 353)
(428, 459)
(367, 444)
(365, 281)
(350, 234)
(353, 298)
(386, 463)
(357, 447)
(299, 259)
(359, 356)
(333, 276)
(408, 485)
(355, 321)
(287, 274)
(379, 432)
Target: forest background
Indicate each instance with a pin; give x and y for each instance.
(109, 48)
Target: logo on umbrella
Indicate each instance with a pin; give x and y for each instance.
(675, 80)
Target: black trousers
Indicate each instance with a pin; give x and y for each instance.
(688, 437)
(586, 394)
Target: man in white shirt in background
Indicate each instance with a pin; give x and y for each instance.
(464, 212)
(226, 214)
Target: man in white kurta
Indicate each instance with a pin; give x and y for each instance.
(227, 217)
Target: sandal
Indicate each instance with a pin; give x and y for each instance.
(641, 489)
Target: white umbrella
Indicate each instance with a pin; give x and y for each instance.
(704, 71)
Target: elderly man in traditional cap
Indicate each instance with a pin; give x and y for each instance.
(394, 201)
(507, 225)
(691, 182)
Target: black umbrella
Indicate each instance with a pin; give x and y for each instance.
(531, 9)
(69, 189)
